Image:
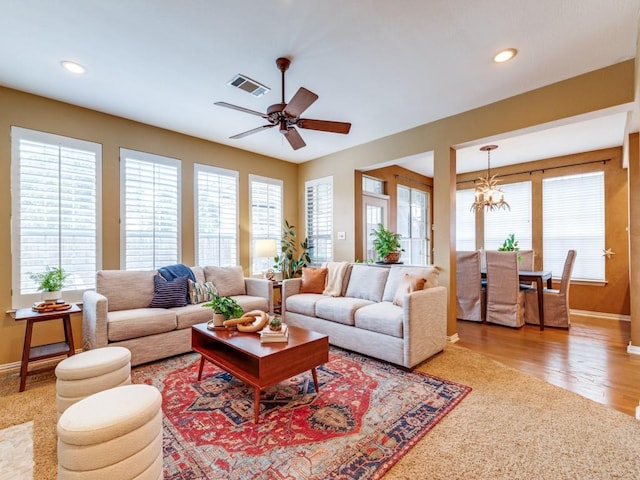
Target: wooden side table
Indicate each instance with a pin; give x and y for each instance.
(277, 307)
(40, 352)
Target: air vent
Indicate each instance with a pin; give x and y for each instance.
(251, 86)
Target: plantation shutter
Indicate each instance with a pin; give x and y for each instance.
(319, 202)
(216, 211)
(266, 217)
(499, 224)
(150, 210)
(465, 220)
(55, 196)
(573, 219)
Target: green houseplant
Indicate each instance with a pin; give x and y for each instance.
(293, 256)
(50, 282)
(227, 307)
(386, 244)
(510, 245)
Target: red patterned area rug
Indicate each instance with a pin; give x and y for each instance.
(366, 416)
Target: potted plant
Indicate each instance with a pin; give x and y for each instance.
(224, 308)
(50, 282)
(510, 245)
(386, 244)
(275, 323)
(292, 256)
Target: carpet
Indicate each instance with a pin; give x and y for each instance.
(367, 415)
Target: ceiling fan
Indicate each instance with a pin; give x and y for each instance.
(287, 115)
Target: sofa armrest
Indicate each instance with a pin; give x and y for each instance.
(94, 320)
(290, 286)
(424, 324)
(260, 287)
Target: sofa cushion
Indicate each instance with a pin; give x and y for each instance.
(339, 309)
(198, 272)
(139, 322)
(126, 289)
(408, 284)
(169, 293)
(313, 280)
(397, 273)
(304, 303)
(228, 280)
(191, 315)
(382, 317)
(200, 292)
(251, 302)
(367, 282)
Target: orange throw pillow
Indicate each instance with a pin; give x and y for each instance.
(313, 280)
(408, 284)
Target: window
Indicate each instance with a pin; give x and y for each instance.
(216, 212)
(372, 185)
(465, 220)
(319, 201)
(413, 225)
(266, 218)
(150, 210)
(499, 224)
(56, 212)
(573, 218)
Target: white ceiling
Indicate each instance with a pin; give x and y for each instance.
(383, 66)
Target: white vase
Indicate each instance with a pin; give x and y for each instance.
(218, 319)
(51, 296)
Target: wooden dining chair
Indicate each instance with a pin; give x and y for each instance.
(469, 293)
(556, 302)
(505, 300)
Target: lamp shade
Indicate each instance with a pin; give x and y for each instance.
(265, 247)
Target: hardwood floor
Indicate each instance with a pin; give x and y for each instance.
(589, 359)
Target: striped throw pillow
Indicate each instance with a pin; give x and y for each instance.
(169, 294)
(200, 292)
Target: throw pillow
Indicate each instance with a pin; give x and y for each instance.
(229, 281)
(169, 294)
(408, 284)
(200, 292)
(313, 280)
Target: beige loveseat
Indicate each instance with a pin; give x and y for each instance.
(118, 312)
(364, 318)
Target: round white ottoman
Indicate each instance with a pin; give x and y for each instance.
(113, 434)
(90, 372)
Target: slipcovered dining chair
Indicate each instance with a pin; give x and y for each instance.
(525, 260)
(469, 292)
(505, 300)
(556, 302)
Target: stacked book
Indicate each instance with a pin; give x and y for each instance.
(267, 335)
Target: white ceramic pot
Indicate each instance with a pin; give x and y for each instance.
(51, 296)
(218, 319)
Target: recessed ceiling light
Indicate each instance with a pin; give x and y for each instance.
(73, 67)
(505, 55)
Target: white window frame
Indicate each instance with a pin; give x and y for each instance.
(134, 155)
(223, 259)
(19, 277)
(274, 228)
(313, 185)
(409, 255)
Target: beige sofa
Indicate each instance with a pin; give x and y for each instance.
(118, 312)
(365, 319)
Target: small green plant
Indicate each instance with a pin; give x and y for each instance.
(510, 245)
(275, 323)
(225, 306)
(385, 242)
(292, 256)
(51, 280)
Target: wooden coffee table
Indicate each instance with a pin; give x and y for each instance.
(260, 364)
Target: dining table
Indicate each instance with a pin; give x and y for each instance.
(539, 277)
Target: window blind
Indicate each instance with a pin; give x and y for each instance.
(499, 224)
(266, 217)
(56, 220)
(150, 210)
(465, 220)
(216, 211)
(573, 218)
(319, 202)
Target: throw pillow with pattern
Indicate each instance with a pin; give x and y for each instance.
(408, 284)
(201, 292)
(169, 294)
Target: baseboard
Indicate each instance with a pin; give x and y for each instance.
(453, 338)
(633, 349)
(47, 363)
(602, 315)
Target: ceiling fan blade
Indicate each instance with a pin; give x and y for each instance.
(300, 102)
(294, 138)
(241, 109)
(252, 131)
(324, 125)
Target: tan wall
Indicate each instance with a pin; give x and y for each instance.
(38, 113)
(614, 296)
(609, 87)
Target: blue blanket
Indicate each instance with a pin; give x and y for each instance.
(174, 271)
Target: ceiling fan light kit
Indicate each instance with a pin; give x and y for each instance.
(287, 115)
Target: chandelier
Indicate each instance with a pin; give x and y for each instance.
(488, 195)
